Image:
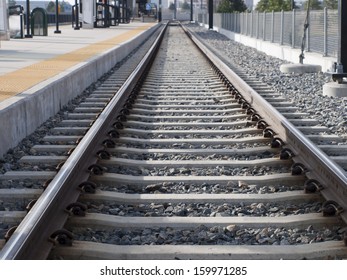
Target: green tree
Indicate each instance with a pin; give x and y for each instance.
(275, 5)
(314, 5)
(224, 7)
(231, 6)
(263, 6)
(171, 6)
(62, 6)
(185, 5)
(51, 7)
(331, 4)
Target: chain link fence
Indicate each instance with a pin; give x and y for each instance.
(284, 28)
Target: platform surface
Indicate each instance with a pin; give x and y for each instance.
(29, 61)
(40, 75)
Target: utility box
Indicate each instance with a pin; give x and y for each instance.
(39, 25)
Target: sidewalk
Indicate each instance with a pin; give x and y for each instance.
(76, 45)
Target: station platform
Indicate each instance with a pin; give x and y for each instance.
(39, 75)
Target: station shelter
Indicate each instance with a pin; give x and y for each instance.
(93, 13)
(105, 13)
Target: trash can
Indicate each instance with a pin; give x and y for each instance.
(39, 25)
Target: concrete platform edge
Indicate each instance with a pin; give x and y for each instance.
(22, 114)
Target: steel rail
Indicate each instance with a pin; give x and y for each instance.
(33, 237)
(320, 167)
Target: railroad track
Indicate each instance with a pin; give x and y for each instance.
(191, 164)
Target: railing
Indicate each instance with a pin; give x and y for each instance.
(284, 28)
(63, 18)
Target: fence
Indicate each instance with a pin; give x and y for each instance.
(284, 28)
(63, 18)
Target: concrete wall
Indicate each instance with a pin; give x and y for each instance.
(22, 114)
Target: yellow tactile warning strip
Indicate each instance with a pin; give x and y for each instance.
(20, 80)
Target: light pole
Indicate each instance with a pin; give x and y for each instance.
(77, 22)
(191, 10)
(342, 51)
(159, 12)
(210, 14)
(175, 10)
(56, 17)
(28, 35)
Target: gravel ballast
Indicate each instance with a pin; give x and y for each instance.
(303, 90)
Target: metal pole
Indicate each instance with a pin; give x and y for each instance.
(282, 27)
(159, 12)
(257, 27)
(264, 27)
(308, 37)
(210, 14)
(243, 23)
(342, 53)
(56, 17)
(305, 36)
(191, 10)
(236, 27)
(21, 16)
(175, 10)
(325, 52)
(28, 35)
(293, 28)
(77, 23)
(272, 26)
(251, 25)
